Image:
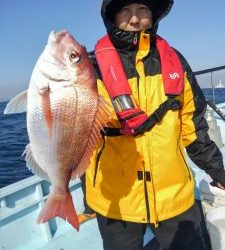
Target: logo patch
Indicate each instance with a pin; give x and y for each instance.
(174, 75)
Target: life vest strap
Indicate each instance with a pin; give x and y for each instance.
(156, 117)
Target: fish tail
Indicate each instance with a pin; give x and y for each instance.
(59, 206)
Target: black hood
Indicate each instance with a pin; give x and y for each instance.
(162, 8)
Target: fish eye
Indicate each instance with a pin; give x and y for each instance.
(74, 57)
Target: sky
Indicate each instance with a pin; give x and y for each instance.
(195, 27)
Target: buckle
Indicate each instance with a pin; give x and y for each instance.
(175, 104)
(172, 104)
(157, 116)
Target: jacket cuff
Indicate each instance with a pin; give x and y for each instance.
(219, 176)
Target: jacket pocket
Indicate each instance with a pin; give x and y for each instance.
(184, 160)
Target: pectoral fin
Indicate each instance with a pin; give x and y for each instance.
(18, 104)
(33, 165)
(103, 115)
(46, 109)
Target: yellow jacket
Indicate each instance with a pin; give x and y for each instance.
(146, 178)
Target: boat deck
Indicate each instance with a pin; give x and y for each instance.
(88, 238)
(21, 202)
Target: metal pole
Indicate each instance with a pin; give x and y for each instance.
(213, 90)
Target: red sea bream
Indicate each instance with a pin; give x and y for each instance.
(65, 115)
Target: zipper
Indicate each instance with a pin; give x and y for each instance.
(146, 199)
(135, 40)
(97, 159)
(156, 222)
(138, 79)
(156, 216)
(185, 163)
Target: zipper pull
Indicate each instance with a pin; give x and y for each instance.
(135, 39)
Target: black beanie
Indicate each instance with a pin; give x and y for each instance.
(116, 5)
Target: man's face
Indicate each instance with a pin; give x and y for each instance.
(134, 17)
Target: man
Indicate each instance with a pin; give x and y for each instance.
(139, 175)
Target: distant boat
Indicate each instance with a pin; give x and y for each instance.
(219, 85)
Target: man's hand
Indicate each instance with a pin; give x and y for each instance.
(217, 184)
(220, 186)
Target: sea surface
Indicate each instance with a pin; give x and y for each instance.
(14, 138)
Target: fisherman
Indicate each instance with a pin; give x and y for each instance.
(139, 175)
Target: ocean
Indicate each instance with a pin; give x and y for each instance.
(14, 138)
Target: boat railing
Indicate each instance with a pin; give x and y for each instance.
(22, 201)
(211, 71)
(215, 112)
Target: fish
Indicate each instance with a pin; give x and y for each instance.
(65, 117)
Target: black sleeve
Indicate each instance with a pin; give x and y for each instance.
(203, 151)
